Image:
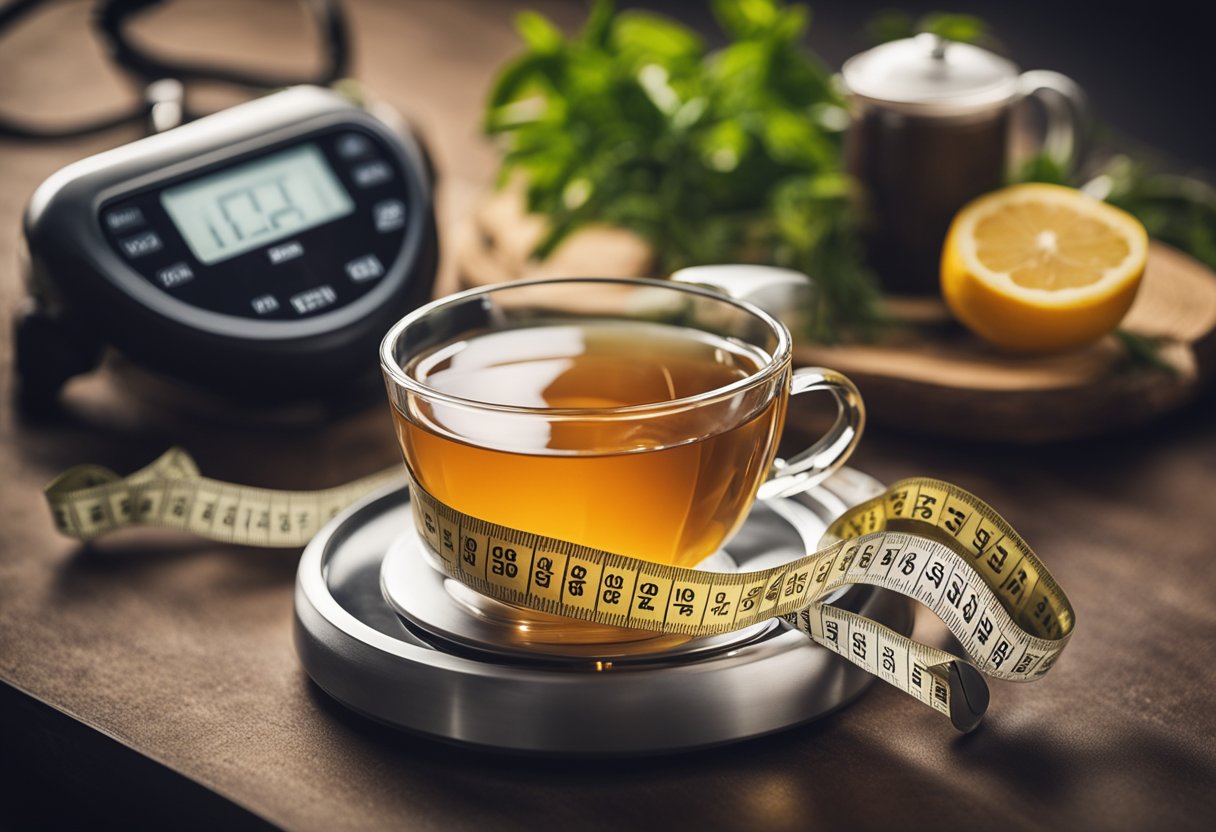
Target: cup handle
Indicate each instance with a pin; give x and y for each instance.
(784, 294)
(818, 462)
(1066, 112)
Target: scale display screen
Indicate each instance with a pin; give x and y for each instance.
(233, 211)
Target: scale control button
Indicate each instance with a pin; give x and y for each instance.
(314, 299)
(265, 304)
(124, 219)
(388, 215)
(373, 173)
(353, 145)
(141, 244)
(364, 268)
(175, 275)
(284, 252)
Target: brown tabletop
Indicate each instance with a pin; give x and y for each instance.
(153, 674)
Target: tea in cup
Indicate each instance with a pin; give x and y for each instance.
(638, 417)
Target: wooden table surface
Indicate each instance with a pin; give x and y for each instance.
(152, 677)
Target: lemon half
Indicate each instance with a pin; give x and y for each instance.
(1042, 268)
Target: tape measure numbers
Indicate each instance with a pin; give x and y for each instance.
(923, 538)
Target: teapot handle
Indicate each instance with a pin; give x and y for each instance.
(1067, 115)
(787, 295)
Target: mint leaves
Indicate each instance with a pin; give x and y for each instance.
(731, 155)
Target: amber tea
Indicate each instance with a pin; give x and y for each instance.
(668, 487)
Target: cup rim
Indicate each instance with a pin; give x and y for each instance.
(776, 364)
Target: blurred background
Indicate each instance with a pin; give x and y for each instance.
(1147, 73)
(1147, 69)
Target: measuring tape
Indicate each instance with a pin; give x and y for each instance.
(88, 501)
(923, 538)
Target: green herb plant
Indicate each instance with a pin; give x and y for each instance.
(730, 155)
(894, 24)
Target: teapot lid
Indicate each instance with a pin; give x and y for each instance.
(931, 75)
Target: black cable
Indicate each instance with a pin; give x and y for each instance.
(110, 17)
(15, 10)
(10, 15)
(12, 129)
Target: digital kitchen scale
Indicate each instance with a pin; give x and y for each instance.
(380, 630)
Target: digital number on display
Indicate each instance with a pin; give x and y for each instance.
(229, 213)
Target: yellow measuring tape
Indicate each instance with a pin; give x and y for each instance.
(923, 538)
(87, 501)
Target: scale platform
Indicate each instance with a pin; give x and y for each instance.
(384, 633)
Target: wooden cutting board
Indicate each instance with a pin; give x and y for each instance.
(927, 374)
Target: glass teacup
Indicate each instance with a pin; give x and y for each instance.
(639, 417)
